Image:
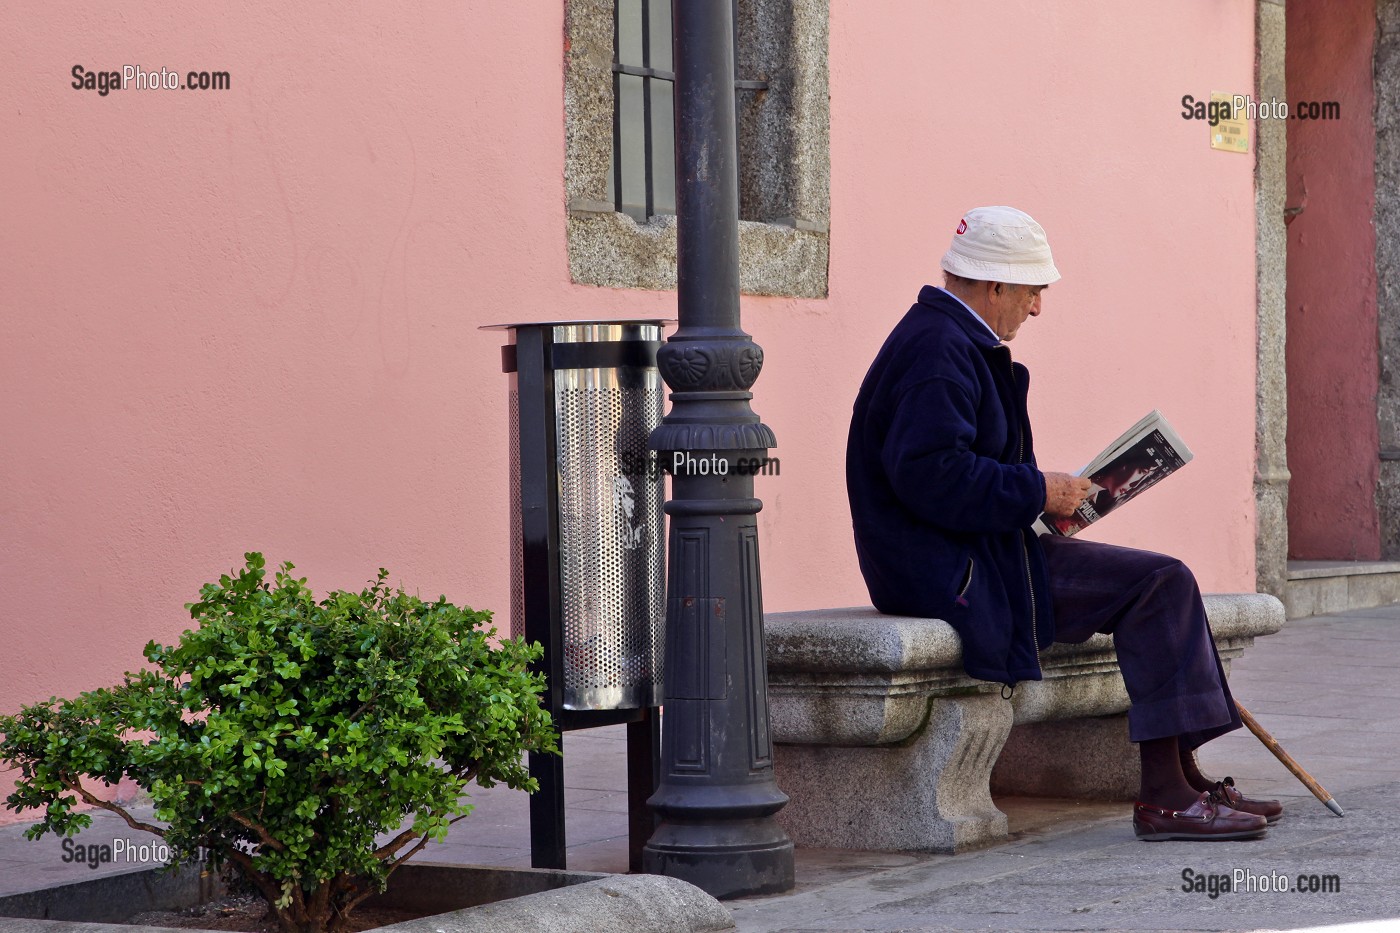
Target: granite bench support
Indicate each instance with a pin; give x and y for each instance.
(882, 742)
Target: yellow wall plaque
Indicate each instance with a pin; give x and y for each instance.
(1229, 133)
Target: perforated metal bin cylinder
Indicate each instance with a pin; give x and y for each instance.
(601, 565)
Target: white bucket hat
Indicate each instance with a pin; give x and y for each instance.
(1001, 244)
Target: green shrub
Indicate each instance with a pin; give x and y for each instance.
(283, 735)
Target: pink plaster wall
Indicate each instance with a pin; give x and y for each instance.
(1333, 357)
(247, 320)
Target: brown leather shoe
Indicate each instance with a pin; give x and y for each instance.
(1226, 793)
(1207, 818)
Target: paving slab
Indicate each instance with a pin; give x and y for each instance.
(1092, 874)
(1098, 877)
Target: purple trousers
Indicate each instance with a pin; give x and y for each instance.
(1151, 606)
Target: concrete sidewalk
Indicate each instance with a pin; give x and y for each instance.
(1324, 686)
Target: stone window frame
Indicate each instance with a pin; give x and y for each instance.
(785, 156)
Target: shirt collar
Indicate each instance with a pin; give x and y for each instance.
(975, 315)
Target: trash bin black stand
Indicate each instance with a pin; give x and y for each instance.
(588, 572)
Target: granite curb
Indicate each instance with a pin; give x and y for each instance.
(624, 904)
(609, 904)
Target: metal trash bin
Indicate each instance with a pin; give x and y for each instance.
(588, 557)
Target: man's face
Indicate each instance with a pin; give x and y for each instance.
(1012, 304)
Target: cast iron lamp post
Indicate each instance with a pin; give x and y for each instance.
(717, 796)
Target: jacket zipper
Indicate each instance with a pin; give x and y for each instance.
(1025, 552)
(1030, 586)
(967, 582)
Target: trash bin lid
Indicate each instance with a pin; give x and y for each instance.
(654, 321)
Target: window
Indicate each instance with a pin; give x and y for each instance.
(643, 179)
(619, 161)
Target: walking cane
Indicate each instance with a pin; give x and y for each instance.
(1272, 745)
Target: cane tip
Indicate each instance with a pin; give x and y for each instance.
(1334, 806)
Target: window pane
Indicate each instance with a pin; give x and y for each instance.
(632, 147)
(663, 154)
(660, 13)
(629, 32)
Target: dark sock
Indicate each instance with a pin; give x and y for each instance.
(1192, 772)
(1163, 783)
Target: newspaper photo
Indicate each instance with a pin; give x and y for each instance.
(1143, 456)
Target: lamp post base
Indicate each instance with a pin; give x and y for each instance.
(735, 858)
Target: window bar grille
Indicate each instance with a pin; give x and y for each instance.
(648, 74)
(617, 111)
(646, 107)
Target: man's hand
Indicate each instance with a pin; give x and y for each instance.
(1064, 492)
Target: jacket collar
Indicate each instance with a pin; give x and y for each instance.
(940, 300)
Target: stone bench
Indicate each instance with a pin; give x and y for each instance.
(882, 742)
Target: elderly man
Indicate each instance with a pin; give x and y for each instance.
(944, 489)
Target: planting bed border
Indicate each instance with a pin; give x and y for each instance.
(456, 899)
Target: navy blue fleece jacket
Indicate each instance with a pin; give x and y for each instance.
(943, 485)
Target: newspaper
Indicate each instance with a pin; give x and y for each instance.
(1143, 456)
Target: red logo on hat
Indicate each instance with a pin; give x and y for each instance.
(962, 227)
